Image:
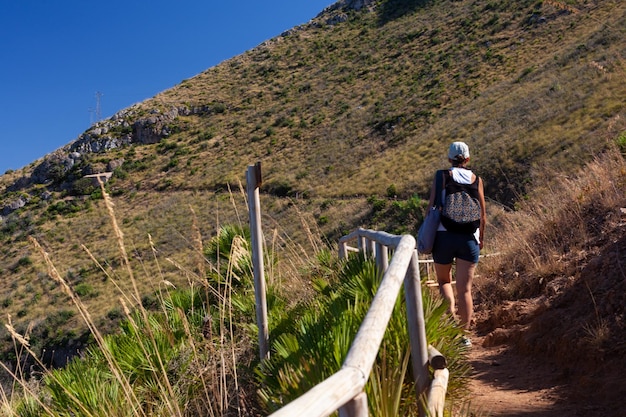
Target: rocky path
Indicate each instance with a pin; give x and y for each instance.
(507, 384)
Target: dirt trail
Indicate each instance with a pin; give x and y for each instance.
(507, 384)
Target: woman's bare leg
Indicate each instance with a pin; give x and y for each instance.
(464, 277)
(444, 279)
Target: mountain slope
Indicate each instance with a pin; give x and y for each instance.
(349, 114)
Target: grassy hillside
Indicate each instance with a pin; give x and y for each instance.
(349, 114)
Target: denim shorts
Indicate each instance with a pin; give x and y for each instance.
(450, 245)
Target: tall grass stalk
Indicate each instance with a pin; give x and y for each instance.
(173, 406)
(112, 363)
(158, 365)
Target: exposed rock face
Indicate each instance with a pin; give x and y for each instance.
(357, 4)
(152, 129)
(127, 127)
(352, 5)
(106, 135)
(114, 164)
(341, 17)
(94, 144)
(335, 13)
(54, 167)
(14, 205)
(124, 128)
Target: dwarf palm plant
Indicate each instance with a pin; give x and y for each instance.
(140, 371)
(314, 347)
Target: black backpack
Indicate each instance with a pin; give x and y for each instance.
(461, 208)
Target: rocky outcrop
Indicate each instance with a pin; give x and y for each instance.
(351, 5)
(337, 12)
(126, 127)
(154, 128)
(106, 135)
(129, 126)
(14, 205)
(357, 4)
(114, 164)
(54, 167)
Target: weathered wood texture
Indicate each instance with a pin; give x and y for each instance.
(253, 182)
(327, 396)
(343, 391)
(437, 393)
(416, 328)
(436, 359)
(357, 407)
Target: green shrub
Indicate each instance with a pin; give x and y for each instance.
(173, 163)
(120, 173)
(218, 108)
(24, 261)
(313, 340)
(378, 204)
(621, 142)
(83, 186)
(85, 290)
(279, 188)
(165, 146)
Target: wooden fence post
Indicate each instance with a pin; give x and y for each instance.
(253, 182)
(382, 257)
(417, 329)
(343, 390)
(371, 248)
(343, 250)
(357, 407)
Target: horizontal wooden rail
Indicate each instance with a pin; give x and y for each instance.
(344, 390)
(436, 359)
(327, 396)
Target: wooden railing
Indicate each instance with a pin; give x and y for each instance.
(344, 390)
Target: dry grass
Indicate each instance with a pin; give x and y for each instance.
(559, 222)
(219, 393)
(336, 114)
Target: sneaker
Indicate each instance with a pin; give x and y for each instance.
(465, 341)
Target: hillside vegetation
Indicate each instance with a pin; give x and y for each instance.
(349, 114)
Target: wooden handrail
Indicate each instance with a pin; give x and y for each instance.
(326, 397)
(439, 385)
(344, 390)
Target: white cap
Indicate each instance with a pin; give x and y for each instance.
(458, 150)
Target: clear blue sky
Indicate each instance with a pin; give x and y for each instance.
(56, 55)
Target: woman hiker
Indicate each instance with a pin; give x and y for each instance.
(461, 232)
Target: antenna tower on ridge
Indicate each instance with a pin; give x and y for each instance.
(98, 112)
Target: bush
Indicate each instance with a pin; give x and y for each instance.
(24, 261)
(85, 290)
(621, 142)
(82, 186)
(378, 204)
(314, 339)
(66, 207)
(279, 188)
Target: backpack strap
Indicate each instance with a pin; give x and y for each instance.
(439, 181)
